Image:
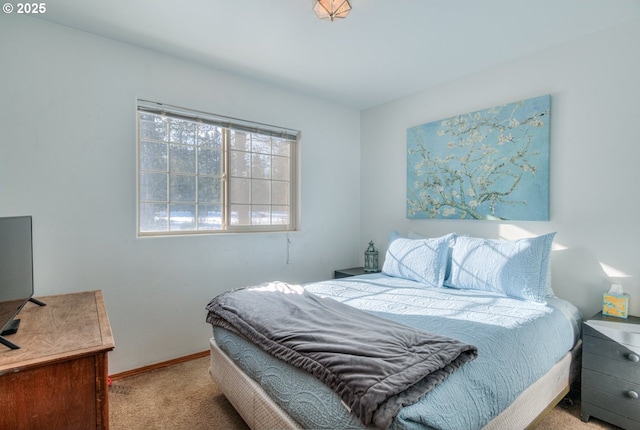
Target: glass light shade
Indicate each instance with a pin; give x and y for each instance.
(331, 9)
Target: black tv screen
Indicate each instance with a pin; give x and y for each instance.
(16, 267)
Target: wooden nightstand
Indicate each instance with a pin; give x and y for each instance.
(58, 377)
(611, 370)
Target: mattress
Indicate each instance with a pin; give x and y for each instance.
(518, 342)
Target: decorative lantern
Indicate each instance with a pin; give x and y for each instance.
(371, 258)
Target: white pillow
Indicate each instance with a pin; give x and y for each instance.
(421, 260)
(549, 283)
(516, 268)
(447, 272)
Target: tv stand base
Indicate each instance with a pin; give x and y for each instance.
(8, 343)
(13, 326)
(37, 302)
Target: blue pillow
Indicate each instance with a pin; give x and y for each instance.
(421, 260)
(515, 268)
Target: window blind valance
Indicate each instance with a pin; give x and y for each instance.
(216, 120)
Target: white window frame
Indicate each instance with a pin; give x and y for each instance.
(229, 127)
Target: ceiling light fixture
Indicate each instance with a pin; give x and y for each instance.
(331, 9)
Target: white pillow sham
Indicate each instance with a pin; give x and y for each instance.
(515, 268)
(422, 260)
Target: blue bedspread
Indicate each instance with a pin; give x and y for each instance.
(518, 341)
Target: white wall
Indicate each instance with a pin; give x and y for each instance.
(68, 157)
(595, 150)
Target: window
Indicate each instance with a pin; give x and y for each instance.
(202, 173)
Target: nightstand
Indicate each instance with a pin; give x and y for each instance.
(611, 370)
(345, 273)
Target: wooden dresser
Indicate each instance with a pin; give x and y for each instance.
(58, 377)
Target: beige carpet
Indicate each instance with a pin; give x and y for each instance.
(178, 397)
(183, 397)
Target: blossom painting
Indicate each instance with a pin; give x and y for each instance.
(491, 164)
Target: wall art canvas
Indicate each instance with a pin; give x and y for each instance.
(491, 164)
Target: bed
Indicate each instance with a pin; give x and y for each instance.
(489, 293)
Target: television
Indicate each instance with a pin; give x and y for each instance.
(16, 273)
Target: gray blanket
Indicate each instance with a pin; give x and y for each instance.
(375, 365)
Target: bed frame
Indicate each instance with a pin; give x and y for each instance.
(261, 413)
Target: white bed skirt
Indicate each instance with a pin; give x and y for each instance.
(261, 413)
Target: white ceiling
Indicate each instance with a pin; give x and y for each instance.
(382, 51)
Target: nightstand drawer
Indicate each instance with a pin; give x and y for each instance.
(610, 349)
(593, 410)
(626, 370)
(611, 394)
(610, 385)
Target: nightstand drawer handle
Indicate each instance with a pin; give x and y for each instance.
(632, 394)
(633, 357)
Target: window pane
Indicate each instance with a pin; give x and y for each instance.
(280, 169)
(280, 147)
(209, 190)
(280, 215)
(260, 191)
(183, 188)
(260, 215)
(183, 159)
(240, 141)
(209, 161)
(209, 217)
(240, 163)
(153, 217)
(153, 126)
(261, 144)
(280, 193)
(240, 215)
(182, 217)
(153, 187)
(261, 166)
(182, 131)
(209, 136)
(240, 190)
(234, 217)
(153, 156)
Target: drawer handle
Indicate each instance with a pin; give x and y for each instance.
(633, 357)
(632, 394)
